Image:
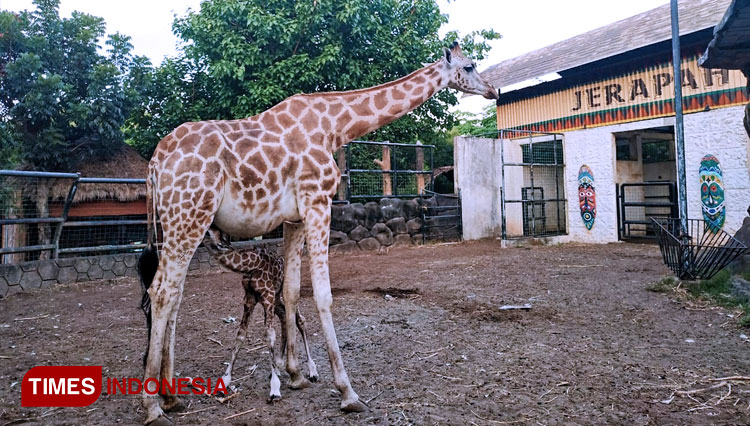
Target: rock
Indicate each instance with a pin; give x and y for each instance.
(67, 275)
(337, 237)
(12, 273)
(358, 210)
(414, 226)
(740, 288)
(410, 209)
(106, 262)
(82, 265)
(403, 240)
(370, 244)
(397, 225)
(390, 208)
(48, 269)
(3, 288)
(129, 259)
(742, 263)
(119, 268)
(417, 239)
(382, 233)
(31, 280)
(346, 247)
(359, 233)
(372, 214)
(342, 218)
(95, 272)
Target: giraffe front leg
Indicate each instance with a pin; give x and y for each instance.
(248, 308)
(293, 242)
(317, 228)
(312, 370)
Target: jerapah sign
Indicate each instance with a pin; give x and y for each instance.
(639, 95)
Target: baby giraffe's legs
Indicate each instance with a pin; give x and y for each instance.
(251, 300)
(267, 300)
(312, 370)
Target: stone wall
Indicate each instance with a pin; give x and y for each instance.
(35, 275)
(373, 225)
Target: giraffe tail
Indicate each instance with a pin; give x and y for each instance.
(148, 263)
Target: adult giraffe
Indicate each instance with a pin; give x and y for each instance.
(249, 176)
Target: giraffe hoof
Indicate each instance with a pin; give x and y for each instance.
(161, 421)
(301, 383)
(355, 406)
(273, 398)
(175, 407)
(313, 378)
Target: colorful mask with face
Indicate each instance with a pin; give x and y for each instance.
(587, 196)
(712, 192)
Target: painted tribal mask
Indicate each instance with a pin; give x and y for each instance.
(587, 196)
(712, 192)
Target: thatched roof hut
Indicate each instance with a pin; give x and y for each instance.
(125, 164)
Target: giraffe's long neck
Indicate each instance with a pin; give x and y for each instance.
(369, 109)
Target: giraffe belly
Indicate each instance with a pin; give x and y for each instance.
(242, 222)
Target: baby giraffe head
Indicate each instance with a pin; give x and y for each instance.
(463, 75)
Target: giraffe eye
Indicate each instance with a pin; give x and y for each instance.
(470, 68)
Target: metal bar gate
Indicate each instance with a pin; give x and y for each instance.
(637, 203)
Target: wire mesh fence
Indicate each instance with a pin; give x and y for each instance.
(375, 170)
(533, 194)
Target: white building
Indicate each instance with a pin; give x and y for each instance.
(606, 96)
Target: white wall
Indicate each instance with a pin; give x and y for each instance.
(719, 132)
(478, 176)
(596, 148)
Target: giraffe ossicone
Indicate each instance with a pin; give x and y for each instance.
(249, 176)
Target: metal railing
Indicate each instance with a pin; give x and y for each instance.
(25, 201)
(532, 196)
(698, 254)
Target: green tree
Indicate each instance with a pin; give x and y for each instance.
(242, 57)
(61, 101)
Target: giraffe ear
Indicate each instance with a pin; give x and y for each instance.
(447, 55)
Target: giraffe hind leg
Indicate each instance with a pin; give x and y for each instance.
(312, 370)
(267, 300)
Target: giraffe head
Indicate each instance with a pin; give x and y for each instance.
(462, 74)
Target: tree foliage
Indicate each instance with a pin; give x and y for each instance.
(242, 57)
(61, 101)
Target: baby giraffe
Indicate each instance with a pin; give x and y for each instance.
(262, 278)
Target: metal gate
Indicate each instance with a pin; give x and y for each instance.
(637, 203)
(533, 184)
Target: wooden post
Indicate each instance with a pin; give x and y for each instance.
(385, 164)
(341, 162)
(420, 167)
(14, 235)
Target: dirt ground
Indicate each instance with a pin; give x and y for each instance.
(423, 340)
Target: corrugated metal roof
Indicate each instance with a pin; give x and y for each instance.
(730, 47)
(622, 36)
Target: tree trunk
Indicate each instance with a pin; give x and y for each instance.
(341, 162)
(420, 167)
(385, 164)
(14, 235)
